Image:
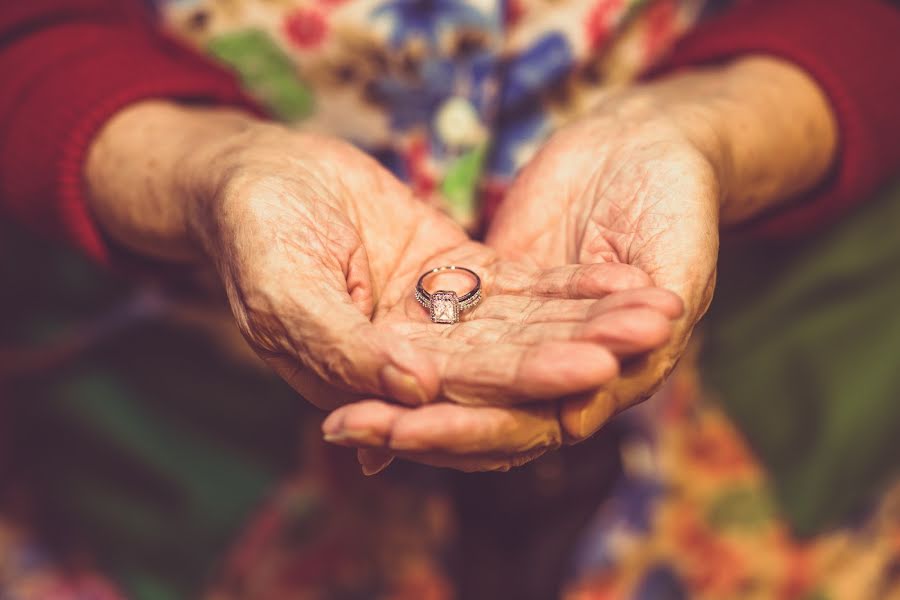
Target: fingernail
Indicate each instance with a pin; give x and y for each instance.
(369, 471)
(353, 437)
(332, 424)
(402, 387)
(374, 468)
(583, 424)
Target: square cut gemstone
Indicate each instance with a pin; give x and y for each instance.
(444, 307)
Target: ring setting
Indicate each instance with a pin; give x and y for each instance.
(445, 306)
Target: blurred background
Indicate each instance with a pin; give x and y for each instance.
(102, 377)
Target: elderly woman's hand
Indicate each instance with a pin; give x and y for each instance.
(644, 180)
(624, 186)
(319, 249)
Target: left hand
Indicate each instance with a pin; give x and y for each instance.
(646, 179)
(626, 185)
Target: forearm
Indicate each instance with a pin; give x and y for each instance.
(769, 130)
(764, 125)
(147, 170)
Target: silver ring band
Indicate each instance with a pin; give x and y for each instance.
(445, 306)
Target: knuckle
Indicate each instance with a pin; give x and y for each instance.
(350, 358)
(259, 324)
(553, 439)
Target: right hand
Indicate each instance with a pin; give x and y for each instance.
(319, 249)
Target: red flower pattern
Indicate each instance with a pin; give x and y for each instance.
(512, 12)
(660, 23)
(600, 21)
(422, 178)
(306, 28)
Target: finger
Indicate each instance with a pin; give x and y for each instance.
(444, 428)
(666, 302)
(568, 281)
(477, 366)
(525, 309)
(489, 361)
(317, 327)
(583, 415)
(511, 373)
(627, 332)
(623, 332)
(368, 425)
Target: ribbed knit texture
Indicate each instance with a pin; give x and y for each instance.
(851, 48)
(65, 72)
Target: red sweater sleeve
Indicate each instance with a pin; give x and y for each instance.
(851, 47)
(67, 66)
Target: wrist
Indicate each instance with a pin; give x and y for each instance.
(682, 128)
(146, 172)
(763, 124)
(212, 162)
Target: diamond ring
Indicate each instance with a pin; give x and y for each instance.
(445, 306)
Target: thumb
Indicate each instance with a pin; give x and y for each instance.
(316, 331)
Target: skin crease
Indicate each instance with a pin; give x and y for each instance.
(318, 249)
(646, 179)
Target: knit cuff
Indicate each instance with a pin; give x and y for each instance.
(89, 73)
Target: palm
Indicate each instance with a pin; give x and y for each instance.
(599, 193)
(591, 197)
(533, 325)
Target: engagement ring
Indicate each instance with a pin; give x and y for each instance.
(445, 306)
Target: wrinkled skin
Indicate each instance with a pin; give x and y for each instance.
(607, 191)
(319, 249)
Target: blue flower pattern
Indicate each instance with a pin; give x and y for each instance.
(428, 19)
(505, 91)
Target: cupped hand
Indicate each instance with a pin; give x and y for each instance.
(319, 249)
(625, 187)
(628, 187)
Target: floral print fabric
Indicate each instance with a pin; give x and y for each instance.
(452, 95)
(695, 517)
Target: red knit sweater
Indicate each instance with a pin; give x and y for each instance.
(68, 65)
